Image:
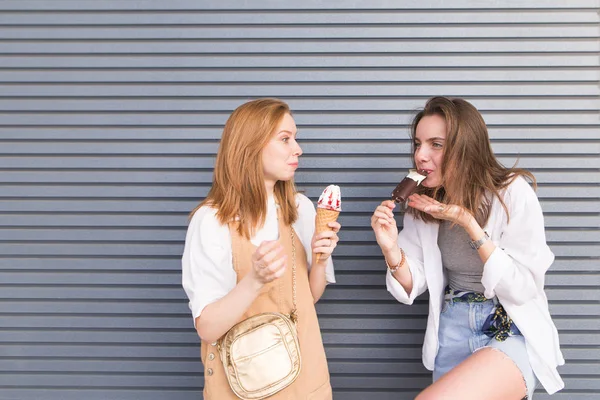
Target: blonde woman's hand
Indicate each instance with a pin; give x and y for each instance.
(325, 242)
(269, 262)
(449, 212)
(384, 226)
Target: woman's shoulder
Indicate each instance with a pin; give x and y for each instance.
(205, 220)
(519, 197)
(519, 187)
(304, 204)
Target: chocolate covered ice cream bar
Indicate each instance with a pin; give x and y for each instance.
(407, 186)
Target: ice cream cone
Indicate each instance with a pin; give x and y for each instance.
(323, 217)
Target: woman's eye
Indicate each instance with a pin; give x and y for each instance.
(437, 145)
(285, 139)
(417, 145)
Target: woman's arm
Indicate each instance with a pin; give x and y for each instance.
(209, 279)
(476, 232)
(408, 280)
(323, 243)
(320, 273)
(218, 317)
(396, 258)
(386, 233)
(515, 270)
(317, 281)
(268, 263)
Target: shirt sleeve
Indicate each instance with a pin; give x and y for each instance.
(408, 240)
(305, 227)
(515, 270)
(207, 269)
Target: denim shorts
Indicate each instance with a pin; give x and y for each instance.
(462, 333)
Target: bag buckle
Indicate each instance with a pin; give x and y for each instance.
(294, 316)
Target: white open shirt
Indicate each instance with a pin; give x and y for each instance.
(207, 269)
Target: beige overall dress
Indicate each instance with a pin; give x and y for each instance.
(313, 381)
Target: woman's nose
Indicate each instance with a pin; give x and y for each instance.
(421, 154)
(297, 149)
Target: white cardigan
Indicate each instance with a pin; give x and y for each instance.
(514, 272)
(207, 262)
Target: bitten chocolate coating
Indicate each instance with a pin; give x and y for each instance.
(404, 189)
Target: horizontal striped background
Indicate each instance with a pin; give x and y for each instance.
(110, 117)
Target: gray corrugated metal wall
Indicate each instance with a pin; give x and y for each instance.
(110, 114)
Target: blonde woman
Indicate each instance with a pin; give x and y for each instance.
(238, 250)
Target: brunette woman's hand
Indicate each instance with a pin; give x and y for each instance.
(449, 212)
(384, 226)
(269, 262)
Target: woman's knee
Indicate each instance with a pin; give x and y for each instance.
(433, 392)
(423, 396)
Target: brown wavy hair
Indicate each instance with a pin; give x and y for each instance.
(471, 174)
(238, 187)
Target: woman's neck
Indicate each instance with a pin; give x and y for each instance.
(270, 187)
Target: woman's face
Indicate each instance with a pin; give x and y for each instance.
(429, 148)
(280, 155)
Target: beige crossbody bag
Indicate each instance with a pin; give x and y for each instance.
(261, 354)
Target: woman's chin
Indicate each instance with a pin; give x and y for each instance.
(286, 178)
(430, 185)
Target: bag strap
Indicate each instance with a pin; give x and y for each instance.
(294, 312)
(293, 315)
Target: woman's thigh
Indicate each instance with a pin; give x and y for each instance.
(455, 337)
(515, 348)
(487, 374)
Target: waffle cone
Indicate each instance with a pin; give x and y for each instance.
(323, 217)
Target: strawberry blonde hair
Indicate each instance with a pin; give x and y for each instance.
(471, 174)
(238, 187)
